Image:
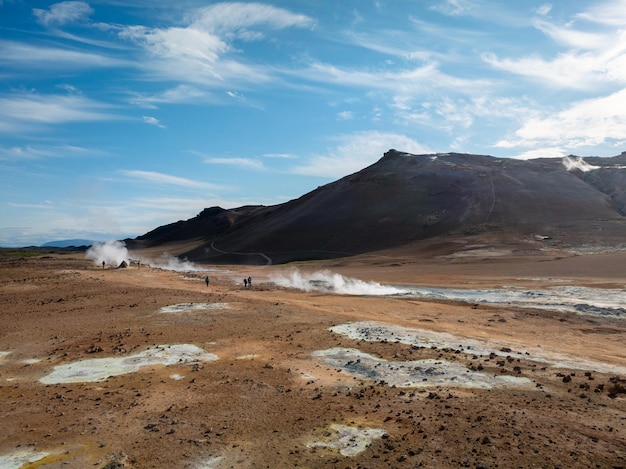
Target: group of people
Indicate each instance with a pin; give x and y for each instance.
(247, 282)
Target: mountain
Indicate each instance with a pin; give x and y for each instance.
(66, 243)
(404, 199)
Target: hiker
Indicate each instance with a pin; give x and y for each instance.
(103, 264)
(207, 280)
(250, 282)
(245, 283)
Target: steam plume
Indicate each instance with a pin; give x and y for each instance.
(111, 252)
(578, 163)
(326, 281)
(114, 252)
(167, 262)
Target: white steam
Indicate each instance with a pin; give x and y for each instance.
(111, 252)
(114, 252)
(167, 262)
(326, 281)
(578, 163)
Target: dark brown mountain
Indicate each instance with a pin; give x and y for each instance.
(405, 199)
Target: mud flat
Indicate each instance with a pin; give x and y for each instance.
(144, 368)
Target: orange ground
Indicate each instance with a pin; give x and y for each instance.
(267, 402)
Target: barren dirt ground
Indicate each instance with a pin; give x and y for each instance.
(267, 397)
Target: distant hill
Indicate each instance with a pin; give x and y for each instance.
(66, 243)
(404, 199)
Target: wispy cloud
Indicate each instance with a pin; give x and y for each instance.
(569, 70)
(36, 152)
(246, 20)
(414, 81)
(44, 206)
(455, 7)
(547, 152)
(63, 13)
(153, 121)
(284, 156)
(611, 12)
(167, 179)
(242, 99)
(17, 54)
(356, 151)
(345, 115)
(543, 10)
(202, 49)
(181, 94)
(20, 111)
(421, 95)
(485, 10)
(587, 59)
(243, 163)
(570, 37)
(585, 123)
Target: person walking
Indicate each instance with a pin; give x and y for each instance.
(207, 280)
(250, 282)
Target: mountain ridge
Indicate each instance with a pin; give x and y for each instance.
(404, 199)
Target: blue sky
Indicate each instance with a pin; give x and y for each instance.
(119, 116)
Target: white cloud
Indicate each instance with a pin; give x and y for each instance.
(153, 121)
(36, 152)
(356, 151)
(182, 54)
(63, 13)
(236, 96)
(418, 96)
(44, 206)
(592, 59)
(244, 163)
(17, 54)
(236, 19)
(387, 43)
(544, 9)
(410, 81)
(454, 7)
(202, 51)
(181, 94)
(578, 71)
(27, 109)
(457, 115)
(547, 152)
(285, 156)
(575, 38)
(345, 115)
(203, 47)
(160, 178)
(591, 122)
(612, 13)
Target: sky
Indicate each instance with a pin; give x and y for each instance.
(120, 116)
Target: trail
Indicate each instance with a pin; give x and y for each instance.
(493, 200)
(267, 258)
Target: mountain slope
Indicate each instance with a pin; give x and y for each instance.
(405, 198)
